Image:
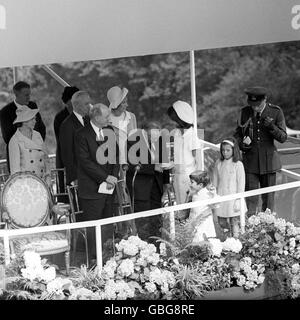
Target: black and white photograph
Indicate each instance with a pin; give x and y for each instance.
(150, 150)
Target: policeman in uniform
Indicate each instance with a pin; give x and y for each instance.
(260, 123)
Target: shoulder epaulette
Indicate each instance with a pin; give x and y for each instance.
(273, 106)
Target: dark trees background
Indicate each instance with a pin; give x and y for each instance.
(156, 81)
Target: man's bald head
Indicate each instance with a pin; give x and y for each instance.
(100, 115)
(81, 102)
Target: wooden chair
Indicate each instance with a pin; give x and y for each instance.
(26, 202)
(75, 210)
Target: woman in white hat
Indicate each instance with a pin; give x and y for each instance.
(186, 148)
(26, 147)
(122, 119)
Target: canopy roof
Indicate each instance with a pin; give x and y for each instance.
(53, 31)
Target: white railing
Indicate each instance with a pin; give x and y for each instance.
(6, 234)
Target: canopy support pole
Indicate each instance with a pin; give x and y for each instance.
(15, 74)
(200, 153)
(55, 76)
(193, 88)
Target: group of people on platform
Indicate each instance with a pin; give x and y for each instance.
(247, 160)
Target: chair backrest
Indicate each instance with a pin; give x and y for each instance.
(74, 201)
(26, 200)
(58, 182)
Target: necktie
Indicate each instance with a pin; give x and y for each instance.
(101, 136)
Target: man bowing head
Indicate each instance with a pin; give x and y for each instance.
(92, 171)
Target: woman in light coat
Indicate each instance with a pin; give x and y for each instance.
(26, 147)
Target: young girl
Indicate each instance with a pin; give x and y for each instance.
(201, 217)
(229, 178)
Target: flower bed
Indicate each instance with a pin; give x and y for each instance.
(262, 264)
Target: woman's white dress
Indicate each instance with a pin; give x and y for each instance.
(185, 162)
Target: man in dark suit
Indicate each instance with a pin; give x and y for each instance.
(81, 102)
(58, 120)
(93, 170)
(8, 114)
(260, 124)
(60, 117)
(150, 180)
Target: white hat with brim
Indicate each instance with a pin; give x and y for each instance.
(115, 96)
(184, 111)
(24, 113)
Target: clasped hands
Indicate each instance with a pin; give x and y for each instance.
(111, 182)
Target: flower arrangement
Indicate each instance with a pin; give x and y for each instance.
(136, 269)
(249, 275)
(269, 249)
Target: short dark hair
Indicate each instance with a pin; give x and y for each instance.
(236, 155)
(20, 85)
(200, 176)
(68, 93)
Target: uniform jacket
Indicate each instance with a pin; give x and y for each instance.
(27, 154)
(262, 156)
(7, 117)
(90, 173)
(58, 120)
(67, 146)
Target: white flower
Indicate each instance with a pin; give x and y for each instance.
(109, 290)
(153, 258)
(216, 246)
(241, 280)
(232, 244)
(110, 268)
(280, 224)
(49, 274)
(131, 249)
(32, 273)
(295, 268)
(250, 285)
(32, 259)
(292, 242)
(124, 291)
(156, 276)
(252, 275)
(260, 279)
(151, 287)
(126, 268)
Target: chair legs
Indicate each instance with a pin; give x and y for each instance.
(74, 245)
